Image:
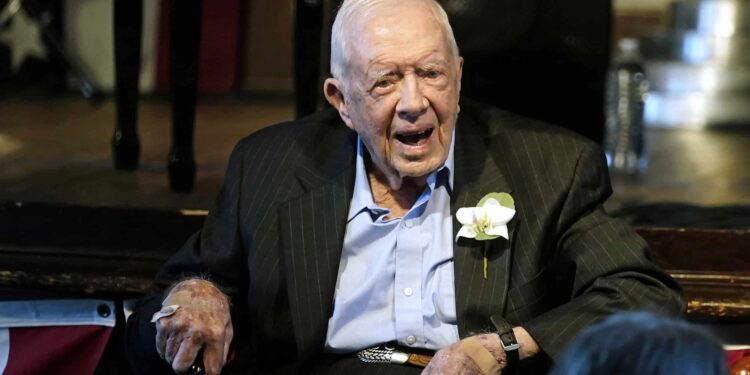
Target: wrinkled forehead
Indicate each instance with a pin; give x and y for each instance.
(411, 25)
(404, 12)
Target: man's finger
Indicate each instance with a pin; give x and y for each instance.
(213, 356)
(228, 335)
(185, 355)
(161, 340)
(171, 348)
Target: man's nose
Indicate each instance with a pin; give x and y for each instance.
(412, 103)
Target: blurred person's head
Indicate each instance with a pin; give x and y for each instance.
(644, 344)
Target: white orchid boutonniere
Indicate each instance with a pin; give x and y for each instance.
(488, 220)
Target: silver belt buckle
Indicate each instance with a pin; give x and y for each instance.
(383, 354)
(398, 357)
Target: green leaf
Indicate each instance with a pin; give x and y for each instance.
(485, 237)
(504, 199)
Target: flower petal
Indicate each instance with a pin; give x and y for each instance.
(466, 231)
(468, 215)
(498, 230)
(500, 215)
(491, 202)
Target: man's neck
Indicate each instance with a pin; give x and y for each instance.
(397, 198)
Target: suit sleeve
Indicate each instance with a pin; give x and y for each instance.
(602, 261)
(215, 253)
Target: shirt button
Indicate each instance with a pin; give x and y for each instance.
(411, 340)
(408, 223)
(408, 292)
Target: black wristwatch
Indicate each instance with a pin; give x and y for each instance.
(507, 339)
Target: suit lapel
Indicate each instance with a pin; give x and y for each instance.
(312, 232)
(477, 174)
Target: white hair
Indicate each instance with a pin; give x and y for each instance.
(361, 10)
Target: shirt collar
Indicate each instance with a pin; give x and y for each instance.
(362, 198)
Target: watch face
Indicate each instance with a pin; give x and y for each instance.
(507, 338)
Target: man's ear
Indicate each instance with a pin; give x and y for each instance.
(460, 72)
(334, 93)
(459, 75)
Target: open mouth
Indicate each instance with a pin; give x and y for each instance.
(414, 139)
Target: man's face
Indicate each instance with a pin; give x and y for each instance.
(401, 89)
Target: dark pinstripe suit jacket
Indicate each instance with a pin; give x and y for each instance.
(274, 239)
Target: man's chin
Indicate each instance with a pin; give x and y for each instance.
(417, 170)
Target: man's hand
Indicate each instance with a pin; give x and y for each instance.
(454, 359)
(203, 321)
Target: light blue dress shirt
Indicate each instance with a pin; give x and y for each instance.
(395, 280)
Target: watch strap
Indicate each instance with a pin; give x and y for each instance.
(507, 339)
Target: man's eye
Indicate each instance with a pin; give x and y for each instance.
(383, 84)
(432, 74)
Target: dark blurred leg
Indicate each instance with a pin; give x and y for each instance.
(308, 25)
(186, 26)
(128, 22)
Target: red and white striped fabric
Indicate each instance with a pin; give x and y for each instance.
(735, 354)
(54, 336)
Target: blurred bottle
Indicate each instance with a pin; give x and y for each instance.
(625, 94)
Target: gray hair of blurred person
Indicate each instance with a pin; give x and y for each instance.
(363, 9)
(642, 343)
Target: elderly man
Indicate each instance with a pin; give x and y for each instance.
(334, 245)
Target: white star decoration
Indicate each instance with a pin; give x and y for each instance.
(23, 36)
